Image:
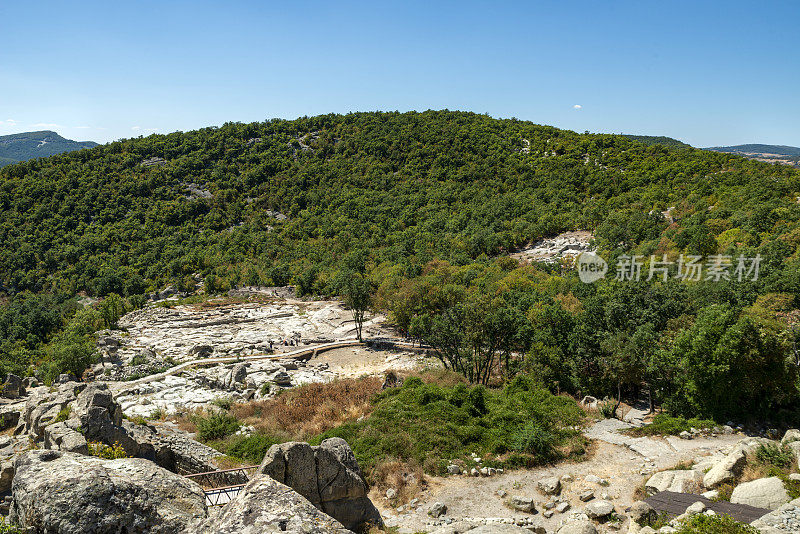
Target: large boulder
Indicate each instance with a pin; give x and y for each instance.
(265, 506)
(44, 407)
(327, 475)
(730, 467)
(766, 493)
(642, 513)
(679, 481)
(67, 493)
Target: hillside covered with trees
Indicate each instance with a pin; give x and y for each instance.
(422, 209)
(30, 145)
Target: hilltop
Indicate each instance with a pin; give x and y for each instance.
(30, 145)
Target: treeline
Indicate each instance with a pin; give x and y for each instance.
(329, 202)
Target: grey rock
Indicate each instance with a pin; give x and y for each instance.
(523, 504)
(790, 436)
(453, 469)
(327, 475)
(265, 506)
(732, 465)
(550, 486)
(766, 493)
(67, 493)
(562, 507)
(437, 509)
(599, 509)
(697, 508)
(586, 495)
(679, 481)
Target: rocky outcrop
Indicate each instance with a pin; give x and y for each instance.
(766, 493)
(732, 465)
(67, 493)
(327, 475)
(265, 506)
(679, 481)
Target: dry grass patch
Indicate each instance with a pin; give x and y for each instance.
(308, 410)
(407, 478)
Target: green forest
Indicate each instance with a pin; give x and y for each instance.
(421, 210)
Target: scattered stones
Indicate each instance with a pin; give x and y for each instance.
(453, 469)
(562, 507)
(586, 495)
(391, 494)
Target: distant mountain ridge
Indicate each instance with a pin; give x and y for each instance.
(786, 155)
(29, 145)
(754, 148)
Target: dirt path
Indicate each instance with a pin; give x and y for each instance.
(616, 458)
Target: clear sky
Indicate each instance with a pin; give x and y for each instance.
(708, 73)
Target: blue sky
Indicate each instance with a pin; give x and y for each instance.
(709, 73)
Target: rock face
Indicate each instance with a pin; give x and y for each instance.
(766, 493)
(266, 506)
(679, 481)
(67, 493)
(327, 475)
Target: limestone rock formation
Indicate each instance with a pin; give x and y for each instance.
(327, 475)
(68, 493)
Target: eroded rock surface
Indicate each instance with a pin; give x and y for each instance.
(68, 493)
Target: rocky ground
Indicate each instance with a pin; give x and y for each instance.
(174, 359)
(568, 244)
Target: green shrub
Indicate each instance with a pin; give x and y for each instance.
(107, 452)
(715, 524)
(8, 528)
(251, 448)
(215, 426)
(664, 424)
(773, 455)
(522, 424)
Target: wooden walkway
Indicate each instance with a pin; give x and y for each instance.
(675, 504)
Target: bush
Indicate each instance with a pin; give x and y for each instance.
(215, 426)
(715, 524)
(251, 448)
(664, 424)
(431, 425)
(107, 452)
(773, 455)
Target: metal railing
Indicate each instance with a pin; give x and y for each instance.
(223, 485)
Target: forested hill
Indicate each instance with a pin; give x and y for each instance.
(780, 150)
(407, 187)
(29, 145)
(415, 212)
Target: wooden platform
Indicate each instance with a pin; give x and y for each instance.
(675, 504)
